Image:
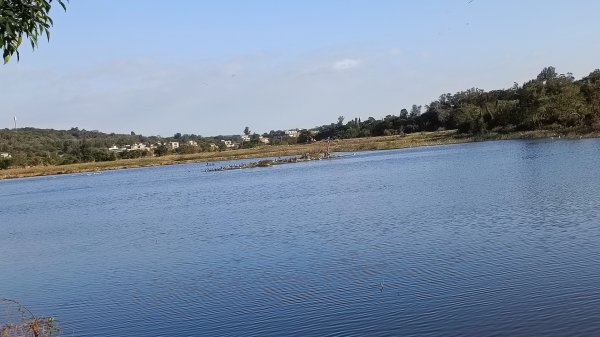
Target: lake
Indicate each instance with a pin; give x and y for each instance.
(481, 239)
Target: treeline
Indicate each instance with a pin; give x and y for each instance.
(550, 101)
(32, 147)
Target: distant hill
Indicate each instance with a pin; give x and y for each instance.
(32, 146)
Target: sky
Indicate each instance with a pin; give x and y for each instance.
(214, 67)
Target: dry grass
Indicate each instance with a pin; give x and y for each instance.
(35, 327)
(345, 145)
(17, 321)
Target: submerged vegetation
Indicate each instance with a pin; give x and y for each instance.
(273, 162)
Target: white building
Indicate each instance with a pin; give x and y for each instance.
(5, 155)
(263, 140)
(228, 143)
(192, 143)
(245, 138)
(139, 146)
(173, 145)
(115, 148)
(292, 133)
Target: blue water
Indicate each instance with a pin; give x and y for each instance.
(481, 239)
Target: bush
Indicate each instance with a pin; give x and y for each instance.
(16, 320)
(5, 163)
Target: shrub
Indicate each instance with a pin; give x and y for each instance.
(5, 163)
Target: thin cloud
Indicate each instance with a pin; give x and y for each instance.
(346, 64)
(396, 52)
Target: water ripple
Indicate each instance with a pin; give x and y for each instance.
(485, 239)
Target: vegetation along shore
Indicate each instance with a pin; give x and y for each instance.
(341, 145)
(551, 105)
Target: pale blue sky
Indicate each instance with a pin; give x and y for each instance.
(213, 67)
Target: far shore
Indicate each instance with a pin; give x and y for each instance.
(342, 145)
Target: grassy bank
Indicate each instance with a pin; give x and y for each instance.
(344, 145)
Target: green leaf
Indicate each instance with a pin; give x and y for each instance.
(24, 20)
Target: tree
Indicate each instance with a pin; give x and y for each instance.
(305, 137)
(24, 17)
(177, 135)
(591, 91)
(85, 151)
(247, 131)
(5, 163)
(161, 150)
(546, 74)
(415, 111)
(404, 114)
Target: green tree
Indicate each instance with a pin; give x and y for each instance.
(247, 131)
(305, 137)
(404, 114)
(415, 111)
(547, 74)
(161, 150)
(566, 102)
(5, 163)
(186, 149)
(591, 91)
(29, 18)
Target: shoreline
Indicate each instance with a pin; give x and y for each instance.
(343, 145)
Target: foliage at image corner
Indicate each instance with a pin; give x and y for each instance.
(24, 18)
(21, 322)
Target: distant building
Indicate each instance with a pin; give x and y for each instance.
(213, 147)
(192, 143)
(5, 155)
(264, 140)
(228, 144)
(245, 138)
(115, 148)
(292, 133)
(139, 146)
(173, 145)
